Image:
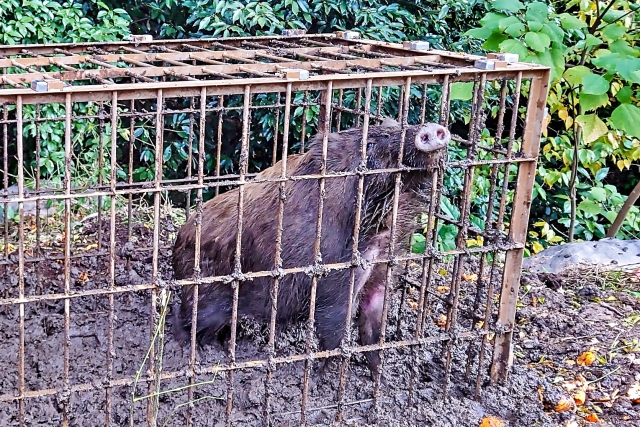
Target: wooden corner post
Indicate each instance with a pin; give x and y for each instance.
(503, 350)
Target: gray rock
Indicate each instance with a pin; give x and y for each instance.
(606, 253)
(30, 206)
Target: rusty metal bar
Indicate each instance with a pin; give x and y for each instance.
(263, 85)
(316, 255)
(271, 352)
(112, 257)
(135, 62)
(243, 166)
(217, 74)
(503, 352)
(355, 255)
(197, 251)
(21, 275)
(254, 364)
(404, 113)
(219, 137)
(472, 151)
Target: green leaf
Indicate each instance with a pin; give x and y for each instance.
(418, 243)
(537, 41)
(514, 46)
(592, 127)
(554, 32)
(558, 63)
(462, 91)
(575, 75)
(626, 118)
(480, 33)
(609, 61)
(515, 30)
(598, 193)
(570, 22)
(552, 58)
(623, 47)
(593, 84)
(508, 5)
(537, 11)
(509, 20)
(624, 95)
(493, 42)
(591, 102)
(492, 20)
(449, 209)
(590, 207)
(592, 41)
(535, 26)
(611, 216)
(613, 32)
(613, 15)
(601, 174)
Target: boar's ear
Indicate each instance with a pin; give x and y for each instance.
(388, 122)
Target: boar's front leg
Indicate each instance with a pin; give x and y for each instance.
(370, 315)
(371, 290)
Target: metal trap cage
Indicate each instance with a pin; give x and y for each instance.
(109, 147)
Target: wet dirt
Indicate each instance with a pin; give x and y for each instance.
(554, 326)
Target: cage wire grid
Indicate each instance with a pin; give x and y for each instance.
(214, 75)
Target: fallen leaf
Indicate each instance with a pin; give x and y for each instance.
(443, 289)
(442, 272)
(413, 304)
(634, 393)
(579, 397)
(586, 358)
(564, 404)
(83, 277)
(470, 277)
(91, 246)
(442, 321)
(592, 418)
(492, 422)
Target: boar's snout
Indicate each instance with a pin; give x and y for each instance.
(431, 137)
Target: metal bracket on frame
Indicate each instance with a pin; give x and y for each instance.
(138, 38)
(506, 57)
(349, 35)
(294, 73)
(46, 85)
(416, 45)
(294, 32)
(496, 60)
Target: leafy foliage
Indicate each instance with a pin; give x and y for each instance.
(47, 21)
(593, 105)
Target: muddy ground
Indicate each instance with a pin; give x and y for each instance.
(558, 320)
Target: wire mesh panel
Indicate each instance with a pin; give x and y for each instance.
(251, 232)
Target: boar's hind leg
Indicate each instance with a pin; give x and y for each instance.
(370, 315)
(331, 313)
(214, 318)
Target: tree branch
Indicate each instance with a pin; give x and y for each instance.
(598, 20)
(577, 135)
(628, 204)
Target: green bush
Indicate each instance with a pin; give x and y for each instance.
(44, 21)
(593, 104)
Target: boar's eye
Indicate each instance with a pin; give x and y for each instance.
(386, 135)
